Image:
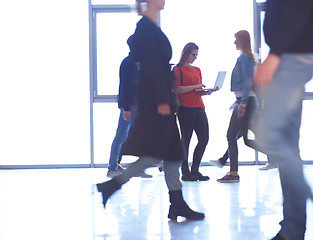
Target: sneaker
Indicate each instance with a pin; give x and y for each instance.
(144, 175)
(228, 178)
(268, 166)
(217, 163)
(112, 174)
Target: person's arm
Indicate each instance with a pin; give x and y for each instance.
(126, 115)
(164, 109)
(265, 71)
(126, 87)
(246, 69)
(185, 89)
(246, 73)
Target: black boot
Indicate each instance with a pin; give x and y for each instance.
(195, 172)
(180, 208)
(186, 174)
(108, 188)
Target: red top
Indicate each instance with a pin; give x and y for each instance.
(191, 76)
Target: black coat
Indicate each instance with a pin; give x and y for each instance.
(153, 134)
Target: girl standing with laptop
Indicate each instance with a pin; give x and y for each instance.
(191, 113)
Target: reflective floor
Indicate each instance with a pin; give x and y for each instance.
(63, 205)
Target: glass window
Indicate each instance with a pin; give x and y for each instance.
(106, 117)
(105, 123)
(201, 23)
(264, 47)
(111, 2)
(44, 84)
(112, 48)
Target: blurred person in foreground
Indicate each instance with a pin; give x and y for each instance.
(154, 136)
(288, 30)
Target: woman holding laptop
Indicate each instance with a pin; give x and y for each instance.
(191, 113)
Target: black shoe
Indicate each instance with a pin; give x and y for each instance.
(180, 208)
(107, 189)
(187, 175)
(189, 178)
(200, 176)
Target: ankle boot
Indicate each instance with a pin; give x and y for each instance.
(180, 208)
(108, 188)
(195, 172)
(186, 174)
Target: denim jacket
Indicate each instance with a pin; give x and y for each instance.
(242, 76)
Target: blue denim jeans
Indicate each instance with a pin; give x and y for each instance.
(120, 137)
(279, 137)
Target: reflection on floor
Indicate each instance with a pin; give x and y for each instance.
(63, 205)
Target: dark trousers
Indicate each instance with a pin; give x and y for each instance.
(194, 119)
(239, 127)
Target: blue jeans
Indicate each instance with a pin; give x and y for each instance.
(120, 137)
(279, 137)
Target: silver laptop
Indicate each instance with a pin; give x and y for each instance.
(218, 82)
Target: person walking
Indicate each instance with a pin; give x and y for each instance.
(128, 74)
(288, 31)
(245, 105)
(154, 136)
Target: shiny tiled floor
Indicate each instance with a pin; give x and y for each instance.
(63, 205)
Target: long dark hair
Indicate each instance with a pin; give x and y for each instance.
(243, 37)
(189, 47)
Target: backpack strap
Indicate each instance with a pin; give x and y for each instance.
(181, 82)
(181, 75)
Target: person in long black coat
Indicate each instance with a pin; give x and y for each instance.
(154, 136)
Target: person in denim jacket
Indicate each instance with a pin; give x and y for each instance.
(245, 105)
